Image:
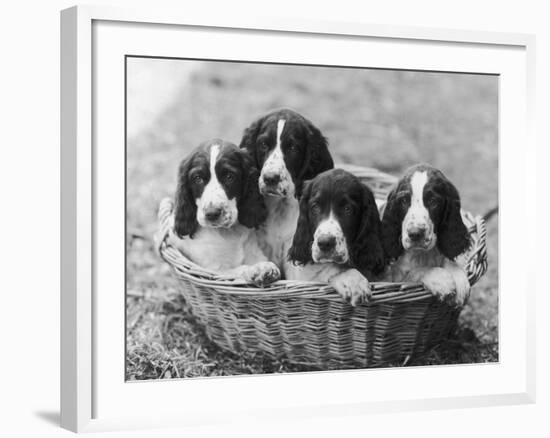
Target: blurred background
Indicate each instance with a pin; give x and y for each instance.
(386, 119)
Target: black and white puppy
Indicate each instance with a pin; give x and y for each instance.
(423, 233)
(338, 237)
(217, 207)
(289, 150)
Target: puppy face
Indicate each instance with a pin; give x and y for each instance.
(338, 223)
(329, 240)
(424, 211)
(214, 184)
(288, 149)
(217, 186)
(418, 229)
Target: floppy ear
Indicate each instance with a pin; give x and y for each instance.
(318, 158)
(185, 216)
(250, 136)
(366, 252)
(300, 251)
(391, 228)
(452, 235)
(251, 205)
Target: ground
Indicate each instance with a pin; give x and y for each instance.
(377, 118)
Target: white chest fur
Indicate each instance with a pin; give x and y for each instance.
(321, 272)
(414, 260)
(217, 249)
(441, 276)
(276, 234)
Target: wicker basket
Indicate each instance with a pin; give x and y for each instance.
(308, 323)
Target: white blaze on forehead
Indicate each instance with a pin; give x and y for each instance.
(275, 163)
(330, 227)
(214, 195)
(418, 181)
(275, 159)
(213, 184)
(280, 127)
(214, 152)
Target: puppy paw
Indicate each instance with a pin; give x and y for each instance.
(439, 282)
(462, 287)
(263, 273)
(352, 286)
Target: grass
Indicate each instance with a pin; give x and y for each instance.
(383, 119)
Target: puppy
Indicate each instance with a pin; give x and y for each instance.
(423, 233)
(337, 239)
(217, 207)
(289, 150)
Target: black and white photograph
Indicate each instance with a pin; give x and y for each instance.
(294, 218)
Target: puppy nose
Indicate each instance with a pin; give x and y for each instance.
(326, 243)
(416, 233)
(271, 178)
(212, 213)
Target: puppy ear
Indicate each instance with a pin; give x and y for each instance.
(249, 139)
(452, 235)
(251, 205)
(391, 228)
(300, 251)
(318, 158)
(367, 252)
(185, 216)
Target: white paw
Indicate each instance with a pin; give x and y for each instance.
(462, 286)
(439, 282)
(263, 273)
(352, 286)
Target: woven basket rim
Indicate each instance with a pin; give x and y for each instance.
(381, 291)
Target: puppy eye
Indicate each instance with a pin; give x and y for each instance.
(263, 146)
(292, 147)
(197, 179)
(229, 177)
(431, 201)
(348, 209)
(315, 209)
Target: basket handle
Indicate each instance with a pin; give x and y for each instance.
(166, 222)
(477, 263)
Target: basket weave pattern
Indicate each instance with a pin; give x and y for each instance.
(308, 323)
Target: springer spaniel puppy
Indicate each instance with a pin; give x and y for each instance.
(338, 238)
(217, 207)
(289, 150)
(423, 233)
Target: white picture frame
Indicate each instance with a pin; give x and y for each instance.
(93, 396)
